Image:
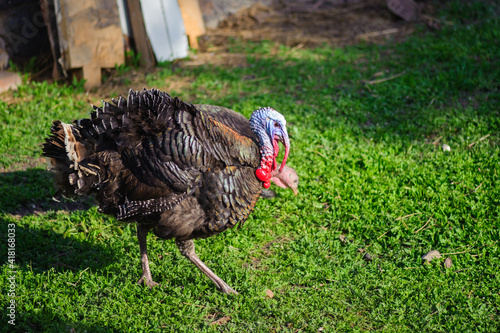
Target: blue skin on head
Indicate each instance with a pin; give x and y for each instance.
(270, 127)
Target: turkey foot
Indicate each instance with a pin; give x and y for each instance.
(147, 281)
(187, 249)
(142, 232)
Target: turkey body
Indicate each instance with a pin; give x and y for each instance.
(183, 171)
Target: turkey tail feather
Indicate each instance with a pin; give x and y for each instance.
(69, 155)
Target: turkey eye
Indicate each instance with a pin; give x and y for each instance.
(276, 124)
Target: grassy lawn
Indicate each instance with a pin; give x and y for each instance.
(369, 126)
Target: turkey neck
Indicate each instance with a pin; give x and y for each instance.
(267, 151)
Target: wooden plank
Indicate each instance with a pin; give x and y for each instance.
(138, 33)
(47, 8)
(9, 80)
(92, 73)
(90, 37)
(193, 20)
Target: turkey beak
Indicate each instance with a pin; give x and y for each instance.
(286, 142)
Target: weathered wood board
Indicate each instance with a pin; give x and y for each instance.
(138, 33)
(193, 20)
(90, 37)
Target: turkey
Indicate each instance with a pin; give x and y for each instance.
(183, 171)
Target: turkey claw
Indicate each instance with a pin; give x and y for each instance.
(228, 290)
(147, 281)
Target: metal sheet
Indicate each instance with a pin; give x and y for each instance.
(165, 28)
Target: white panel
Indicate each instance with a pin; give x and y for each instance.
(165, 29)
(123, 17)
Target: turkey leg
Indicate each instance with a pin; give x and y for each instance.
(142, 232)
(187, 249)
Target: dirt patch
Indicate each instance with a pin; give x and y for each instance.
(118, 83)
(306, 24)
(313, 23)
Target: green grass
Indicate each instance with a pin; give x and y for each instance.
(367, 155)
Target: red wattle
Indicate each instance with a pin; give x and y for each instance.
(262, 175)
(266, 184)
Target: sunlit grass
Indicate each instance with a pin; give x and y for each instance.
(367, 125)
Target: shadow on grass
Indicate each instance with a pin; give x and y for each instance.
(30, 192)
(43, 251)
(40, 248)
(48, 321)
(38, 243)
